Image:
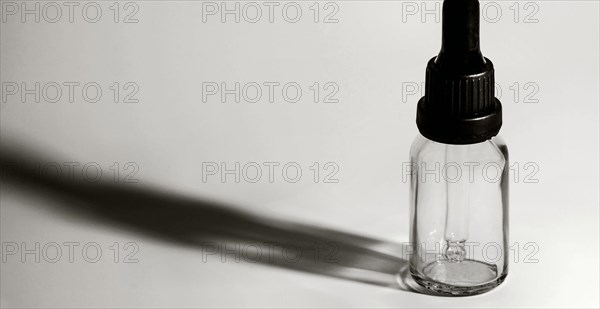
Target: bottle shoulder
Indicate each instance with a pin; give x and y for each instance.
(492, 150)
(500, 145)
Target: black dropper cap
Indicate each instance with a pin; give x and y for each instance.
(459, 106)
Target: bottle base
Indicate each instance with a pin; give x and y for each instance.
(452, 285)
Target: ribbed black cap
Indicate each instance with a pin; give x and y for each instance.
(459, 106)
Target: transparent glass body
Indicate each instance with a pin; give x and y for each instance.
(459, 215)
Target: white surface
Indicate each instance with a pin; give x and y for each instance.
(369, 54)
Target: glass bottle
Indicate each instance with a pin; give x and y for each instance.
(459, 179)
(459, 215)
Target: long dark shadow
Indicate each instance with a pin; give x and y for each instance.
(212, 226)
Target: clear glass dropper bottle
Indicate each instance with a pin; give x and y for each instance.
(459, 189)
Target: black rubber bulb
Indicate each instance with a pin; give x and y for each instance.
(460, 38)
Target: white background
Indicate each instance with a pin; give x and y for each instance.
(375, 54)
